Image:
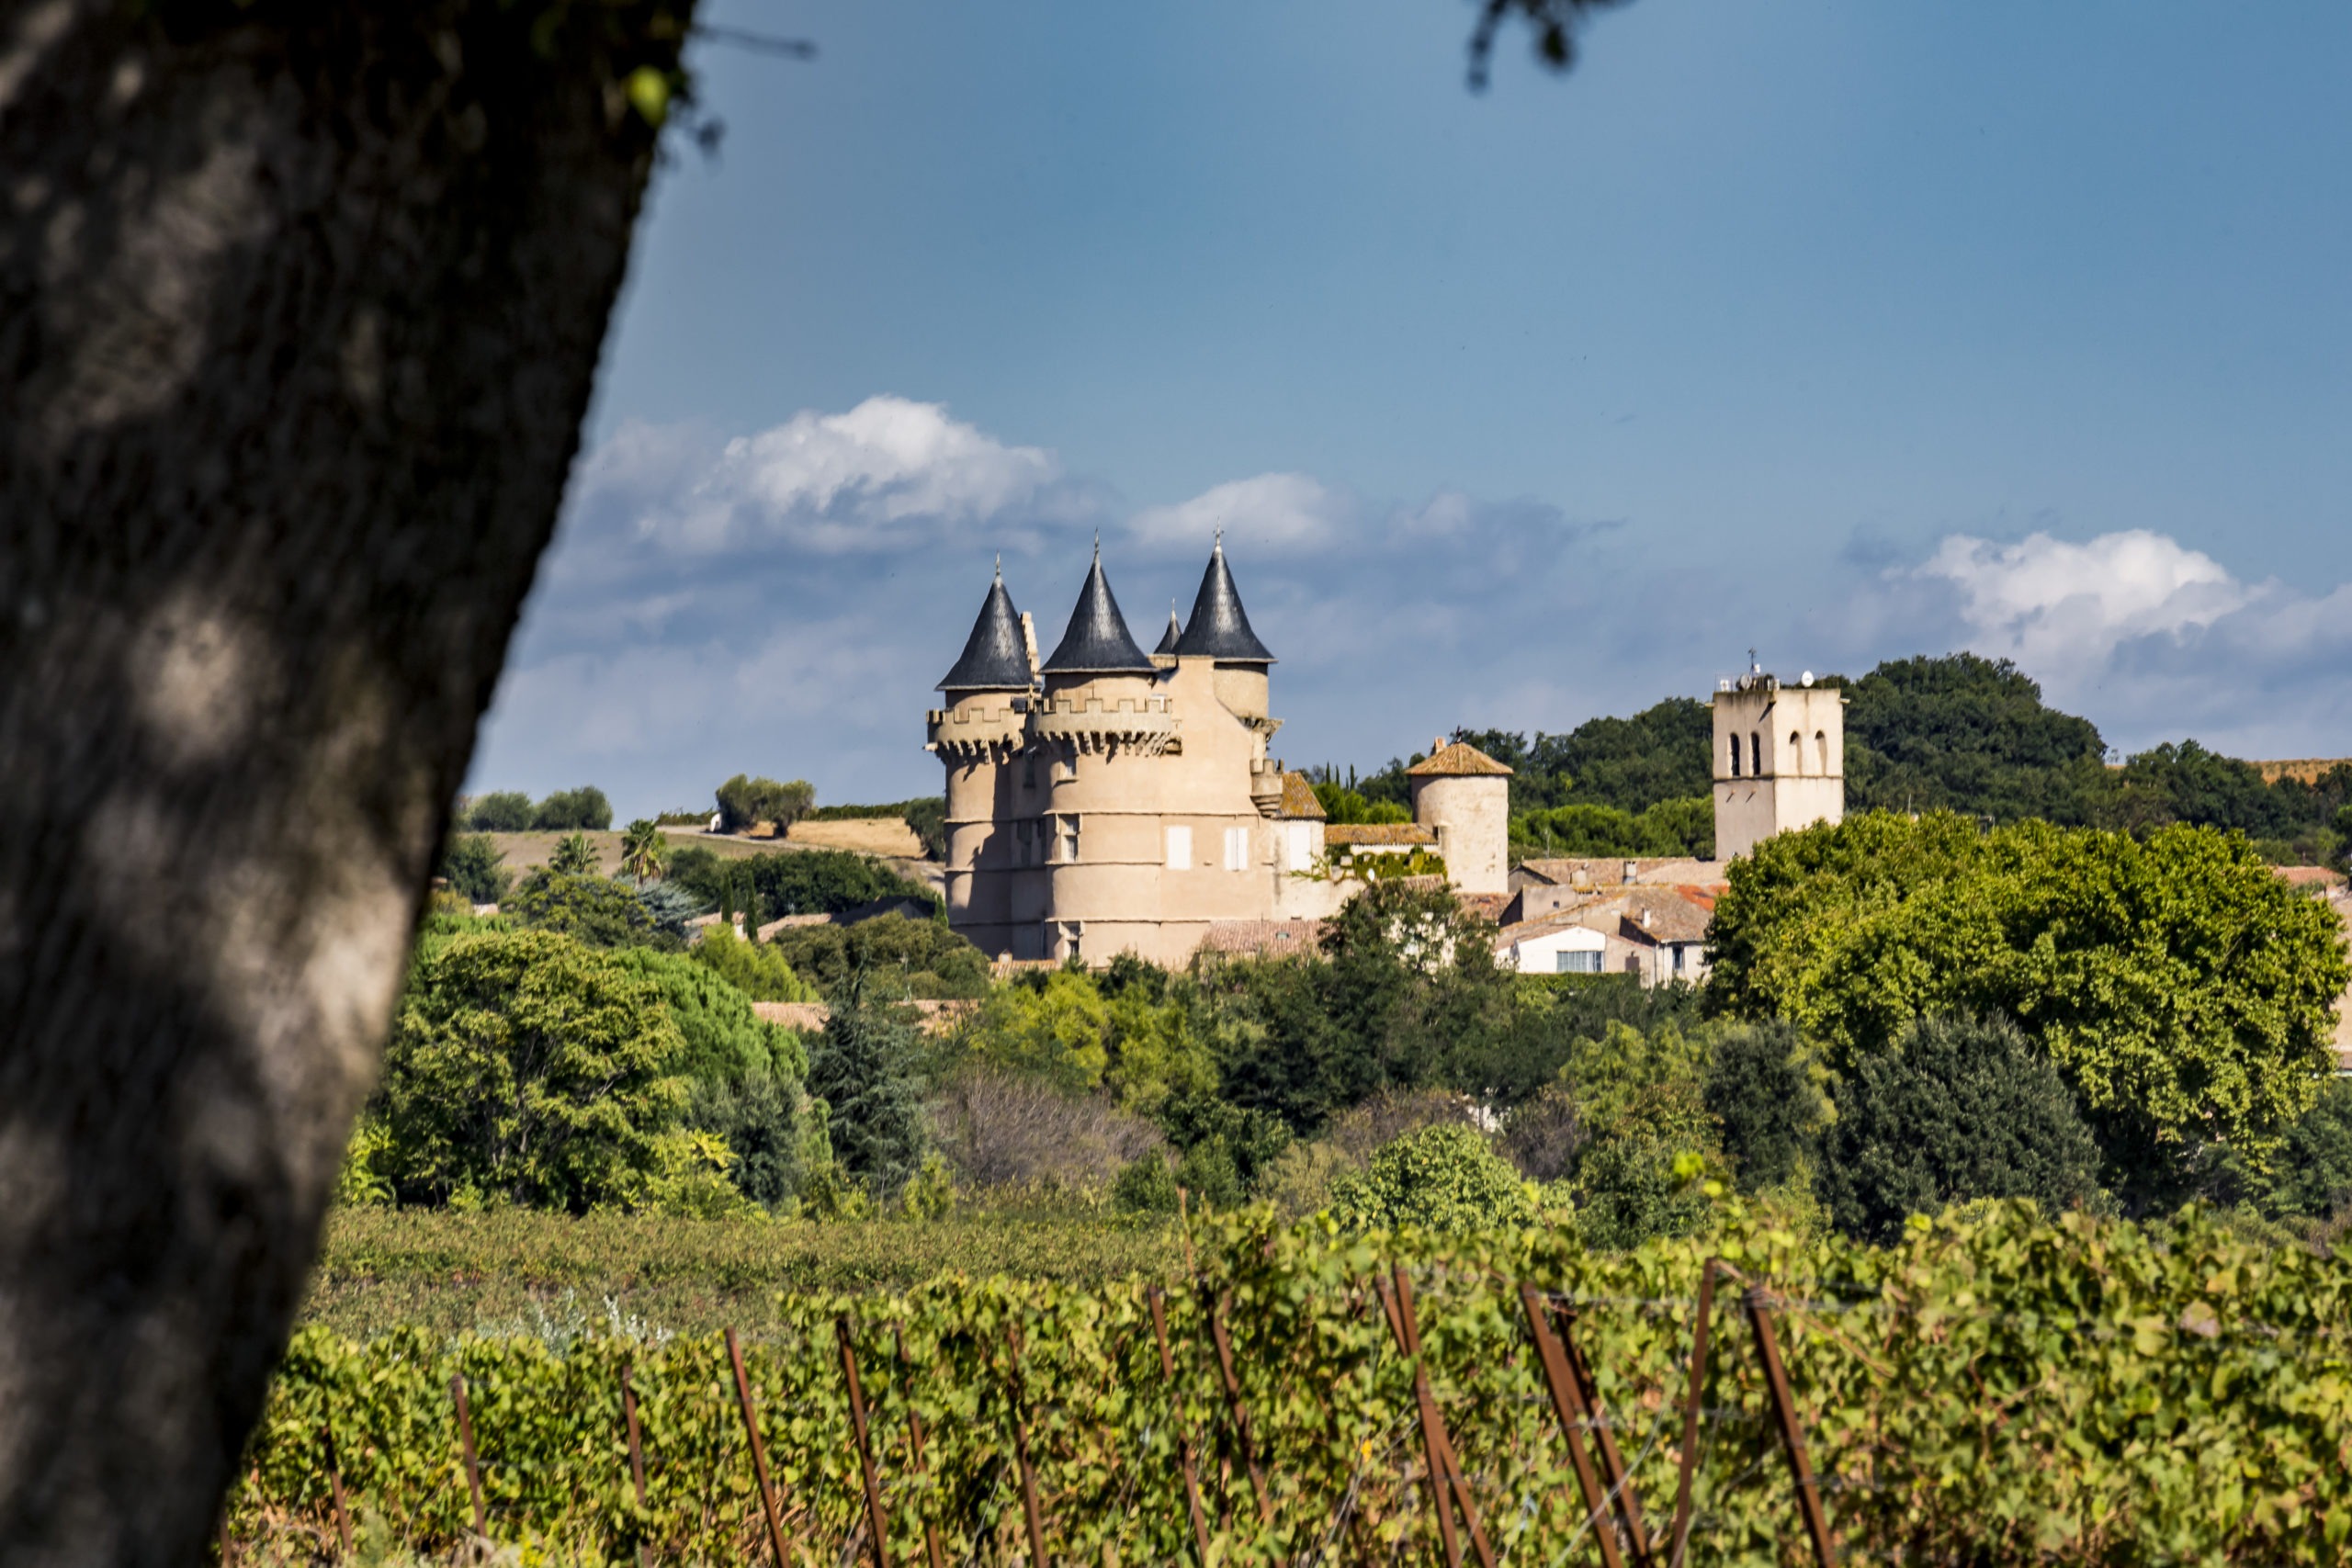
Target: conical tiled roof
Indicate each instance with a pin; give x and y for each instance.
(1097, 642)
(1457, 760)
(1218, 627)
(995, 658)
(1169, 638)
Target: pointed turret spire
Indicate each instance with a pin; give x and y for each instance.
(1169, 638)
(1098, 642)
(995, 659)
(1218, 628)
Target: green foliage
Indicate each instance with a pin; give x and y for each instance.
(2309, 1176)
(759, 970)
(1764, 1090)
(528, 1067)
(593, 910)
(866, 1067)
(2185, 993)
(670, 909)
(744, 802)
(573, 809)
(1056, 1031)
(1641, 1173)
(1439, 1178)
(927, 819)
(1999, 1391)
(1658, 755)
(790, 882)
(1344, 805)
(724, 1040)
(575, 856)
(1961, 1109)
(771, 1140)
(1962, 733)
(1146, 1186)
(476, 868)
(500, 811)
(913, 958)
(1668, 828)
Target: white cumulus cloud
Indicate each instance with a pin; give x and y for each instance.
(2050, 603)
(1271, 511)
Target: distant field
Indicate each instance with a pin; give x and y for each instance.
(384, 1268)
(886, 835)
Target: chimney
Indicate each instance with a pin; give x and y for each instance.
(1632, 872)
(1437, 744)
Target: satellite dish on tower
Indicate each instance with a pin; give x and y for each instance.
(1805, 679)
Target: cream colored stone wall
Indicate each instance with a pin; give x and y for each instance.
(1471, 816)
(1790, 770)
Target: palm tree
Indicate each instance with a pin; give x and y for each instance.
(643, 850)
(575, 856)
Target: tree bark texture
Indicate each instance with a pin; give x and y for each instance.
(300, 304)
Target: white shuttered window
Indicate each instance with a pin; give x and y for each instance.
(1237, 849)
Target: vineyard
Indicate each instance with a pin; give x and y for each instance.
(1995, 1389)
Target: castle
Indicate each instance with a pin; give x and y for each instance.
(1107, 800)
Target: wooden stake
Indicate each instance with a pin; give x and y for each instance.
(1021, 1453)
(636, 1456)
(1436, 1421)
(1232, 1383)
(466, 1447)
(1784, 1414)
(334, 1487)
(914, 1435)
(1183, 1439)
(1612, 1463)
(1567, 1403)
(1690, 1408)
(759, 1450)
(865, 1445)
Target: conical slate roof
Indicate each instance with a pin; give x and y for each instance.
(1218, 627)
(995, 659)
(1097, 642)
(1168, 638)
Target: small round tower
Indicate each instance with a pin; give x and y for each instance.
(1464, 795)
(975, 734)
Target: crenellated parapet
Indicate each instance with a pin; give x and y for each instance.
(1145, 724)
(965, 734)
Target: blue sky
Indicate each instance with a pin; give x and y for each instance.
(1843, 331)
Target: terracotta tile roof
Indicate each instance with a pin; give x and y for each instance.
(1458, 760)
(1272, 938)
(2309, 875)
(1341, 835)
(1299, 799)
(1485, 906)
(1609, 871)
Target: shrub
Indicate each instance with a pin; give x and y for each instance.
(762, 1119)
(1147, 1186)
(2310, 1177)
(526, 1066)
(1643, 1173)
(501, 811)
(745, 802)
(725, 1041)
(475, 869)
(1442, 1179)
(593, 909)
(575, 856)
(758, 970)
(1763, 1089)
(1543, 1137)
(927, 819)
(572, 810)
(921, 958)
(671, 907)
(1003, 1129)
(1962, 1108)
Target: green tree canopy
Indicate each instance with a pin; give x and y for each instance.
(790, 882)
(746, 802)
(912, 958)
(1442, 1178)
(526, 1065)
(500, 811)
(1960, 1108)
(724, 1040)
(594, 909)
(1967, 734)
(2185, 991)
(572, 810)
(866, 1067)
(761, 970)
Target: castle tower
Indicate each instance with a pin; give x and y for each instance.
(1464, 795)
(1780, 759)
(976, 736)
(1163, 658)
(1219, 629)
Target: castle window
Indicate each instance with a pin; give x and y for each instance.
(1067, 837)
(1021, 842)
(1237, 849)
(1180, 849)
(1796, 751)
(1756, 755)
(1735, 756)
(1821, 748)
(1298, 838)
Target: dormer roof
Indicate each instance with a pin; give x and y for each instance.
(1456, 762)
(1218, 627)
(996, 657)
(1097, 641)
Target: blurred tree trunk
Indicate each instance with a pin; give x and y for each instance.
(300, 311)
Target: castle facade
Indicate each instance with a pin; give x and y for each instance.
(1106, 800)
